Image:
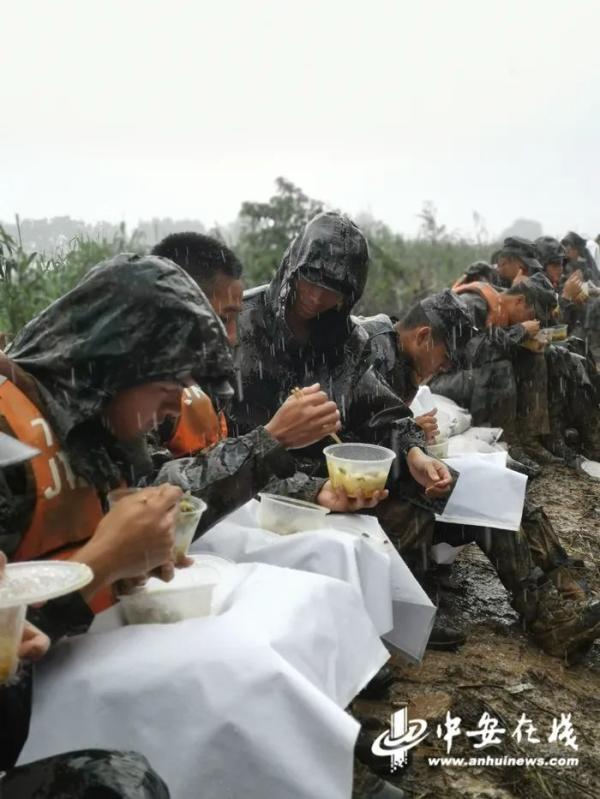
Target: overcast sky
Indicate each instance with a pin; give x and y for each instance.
(129, 109)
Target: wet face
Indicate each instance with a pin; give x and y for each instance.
(428, 356)
(142, 408)
(509, 268)
(554, 271)
(518, 310)
(225, 295)
(311, 300)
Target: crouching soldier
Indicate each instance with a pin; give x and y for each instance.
(530, 562)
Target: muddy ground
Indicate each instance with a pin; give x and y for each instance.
(500, 672)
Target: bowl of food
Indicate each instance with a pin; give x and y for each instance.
(438, 449)
(188, 596)
(285, 515)
(559, 332)
(359, 469)
(189, 514)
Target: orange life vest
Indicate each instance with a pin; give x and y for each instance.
(199, 426)
(497, 314)
(67, 509)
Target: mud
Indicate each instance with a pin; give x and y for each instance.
(501, 672)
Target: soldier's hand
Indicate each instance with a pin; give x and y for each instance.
(532, 327)
(428, 424)
(304, 418)
(573, 287)
(134, 538)
(338, 501)
(430, 473)
(34, 643)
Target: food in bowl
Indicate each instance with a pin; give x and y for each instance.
(286, 515)
(358, 469)
(190, 513)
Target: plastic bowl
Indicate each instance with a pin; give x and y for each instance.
(358, 468)
(187, 522)
(438, 450)
(284, 515)
(559, 332)
(188, 596)
(119, 493)
(11, 632)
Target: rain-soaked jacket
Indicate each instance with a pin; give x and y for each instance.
(332, 252)
(132, 319)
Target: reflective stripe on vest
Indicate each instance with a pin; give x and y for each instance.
(199, 426)
(67, 509)
(497, 314)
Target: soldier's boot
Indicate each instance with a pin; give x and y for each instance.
(563, 628)
(368, 785)
(531, 443)
(548, 554)
(589, 433)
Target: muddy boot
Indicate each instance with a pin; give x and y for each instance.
(570, 582)
(530, 442)
(379, 687)
(445, 638)
(518, 461)
(564, 628)
(368, 785)
(589, 432)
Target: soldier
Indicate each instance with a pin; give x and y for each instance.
(530, 562)
(498, 380)
(516, 259)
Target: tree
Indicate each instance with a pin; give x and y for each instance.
(266, 229)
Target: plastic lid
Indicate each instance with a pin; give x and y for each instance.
(40, 580)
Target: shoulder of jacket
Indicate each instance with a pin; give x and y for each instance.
(374, 325)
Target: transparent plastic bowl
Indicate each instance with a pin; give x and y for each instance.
(166, 603)
(185, 527)
(284, 515)
(439, 449)
(11, 632)
(559, 332)
(358, 468)
(119, 493)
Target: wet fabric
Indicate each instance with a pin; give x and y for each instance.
(523, 249)
(132, 319)
(332, 252)
(85, 774)
(246, 703)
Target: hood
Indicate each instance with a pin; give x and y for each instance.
(131, 320)
(330, 251)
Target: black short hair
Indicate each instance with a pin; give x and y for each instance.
(417, 317)
(202, 257)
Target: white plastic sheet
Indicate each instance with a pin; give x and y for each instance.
(486, 494)
(452, 419)
(354, 549)
(245, 703)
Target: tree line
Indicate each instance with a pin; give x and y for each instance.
(402, 269)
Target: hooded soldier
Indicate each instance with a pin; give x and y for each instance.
(83, 383)
(298, 330)
(530, 562)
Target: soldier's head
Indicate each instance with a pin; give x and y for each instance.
(575, 246)
(530, 298)
(516, 258)
(215, 268)
(552, 255)
(431, 331)
(121, 346)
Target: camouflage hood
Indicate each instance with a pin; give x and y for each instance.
(330, 251)
(131, 320)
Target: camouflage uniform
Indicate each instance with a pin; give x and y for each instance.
(530, 562)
